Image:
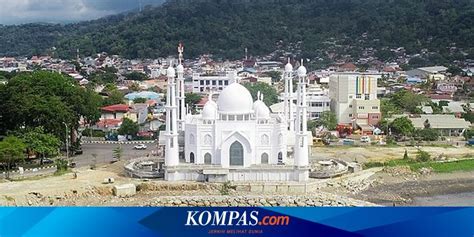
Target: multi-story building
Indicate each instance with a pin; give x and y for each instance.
(213, 83)
(318, 101)
(354, 99)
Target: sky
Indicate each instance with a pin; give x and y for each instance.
(63, 11)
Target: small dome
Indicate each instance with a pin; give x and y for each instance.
(209, 110)
(170, 72)
(180, 68)
(261, 110)
(288, 67)
(235, 99)
(302, 71)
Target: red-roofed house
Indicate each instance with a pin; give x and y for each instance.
(202, 102)
(109, 123)
(117, 111)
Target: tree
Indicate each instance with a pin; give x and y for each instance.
(101, 78)
(48, 100)
(136, 76)
(328, 120)
(402, 126)
(12, 151)
(275, 75)
(408, 101)
(427, 134)
(468, 134)
(128, 127)
(139, 100)
(468, 115)
(38, 141)
(384, 125)
(134, 87)
(115, 97)
(118, 152)
(388, 108)
(270, 93)
(191, 99)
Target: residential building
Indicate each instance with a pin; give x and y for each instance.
(447, 124)
(431, 73)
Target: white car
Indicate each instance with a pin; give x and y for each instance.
(140, 147)
(365, 139)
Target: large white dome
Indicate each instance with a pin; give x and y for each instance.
(235, 99)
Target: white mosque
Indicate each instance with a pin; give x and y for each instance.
(235, 138)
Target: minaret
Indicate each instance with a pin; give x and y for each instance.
(301, 133)
(180, 93)
(288, 96)
(172, 147)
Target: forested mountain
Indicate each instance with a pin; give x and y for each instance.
(225, 28)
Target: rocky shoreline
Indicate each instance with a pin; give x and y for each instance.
(403, 191)
(259, 201)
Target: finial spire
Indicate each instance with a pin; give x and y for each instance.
(180, 52)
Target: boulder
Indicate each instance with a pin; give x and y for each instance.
(125, 190)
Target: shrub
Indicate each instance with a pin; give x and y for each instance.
(61, 165)
(225, 188)
(422, 156)
(427, 134)
(95, 133)
(391, 140)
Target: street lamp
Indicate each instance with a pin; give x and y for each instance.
(67, 141)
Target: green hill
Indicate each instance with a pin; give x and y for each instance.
(225, 28)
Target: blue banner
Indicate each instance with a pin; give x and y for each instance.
(324, 221)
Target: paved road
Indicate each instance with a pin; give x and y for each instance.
(104, 153)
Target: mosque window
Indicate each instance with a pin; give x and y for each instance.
(207, 159)
(192, 139)
(240, 117)
(231, 117)
(280, 158)
(191, 157)
(264, 158)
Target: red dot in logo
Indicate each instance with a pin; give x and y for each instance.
(259, 223)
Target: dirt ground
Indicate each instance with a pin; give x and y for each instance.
(378, 153)
(396, 188)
